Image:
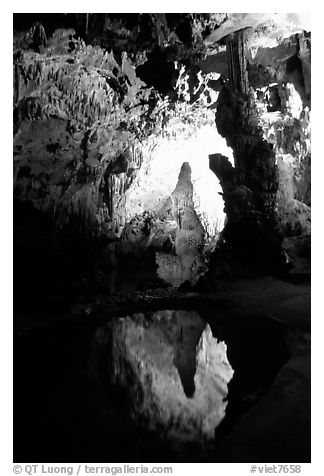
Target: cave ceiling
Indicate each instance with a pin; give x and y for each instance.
(154, 41)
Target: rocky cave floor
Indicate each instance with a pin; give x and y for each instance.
(265, 323)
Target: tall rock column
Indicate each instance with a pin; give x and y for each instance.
(249, 188)
(186, 262)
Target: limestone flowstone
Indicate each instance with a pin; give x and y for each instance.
(80, 113)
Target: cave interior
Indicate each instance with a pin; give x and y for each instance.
(162, 237)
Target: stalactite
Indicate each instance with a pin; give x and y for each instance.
(237, 62)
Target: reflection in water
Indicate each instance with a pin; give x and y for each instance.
(173, 370)
(188, 327)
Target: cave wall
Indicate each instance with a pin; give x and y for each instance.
(89, 120)
(78, 118)
(93, 92)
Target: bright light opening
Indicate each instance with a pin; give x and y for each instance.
(158, 175)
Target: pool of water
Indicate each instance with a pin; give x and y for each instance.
(171, 369)
(67, 407)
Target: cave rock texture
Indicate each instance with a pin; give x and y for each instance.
(188, 240)
(94, 96)
(162, 212)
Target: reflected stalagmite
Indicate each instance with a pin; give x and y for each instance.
(174, 371)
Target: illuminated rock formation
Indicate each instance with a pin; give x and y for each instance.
(185, 263)
(101, 99)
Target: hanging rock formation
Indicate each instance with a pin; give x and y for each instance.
(85, 112)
